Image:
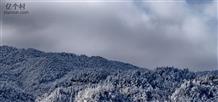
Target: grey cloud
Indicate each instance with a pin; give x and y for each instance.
(149, 37)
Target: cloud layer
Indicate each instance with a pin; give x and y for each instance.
(145, 33)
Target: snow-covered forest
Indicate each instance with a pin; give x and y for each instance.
(30, 75)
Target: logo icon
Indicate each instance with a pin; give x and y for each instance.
(15, 8)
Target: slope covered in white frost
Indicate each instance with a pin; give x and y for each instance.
(29, 75)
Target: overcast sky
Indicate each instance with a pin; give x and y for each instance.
(149, 33)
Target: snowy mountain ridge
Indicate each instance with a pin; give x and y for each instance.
(30, 75)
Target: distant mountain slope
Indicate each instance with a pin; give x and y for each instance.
(29, 75)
